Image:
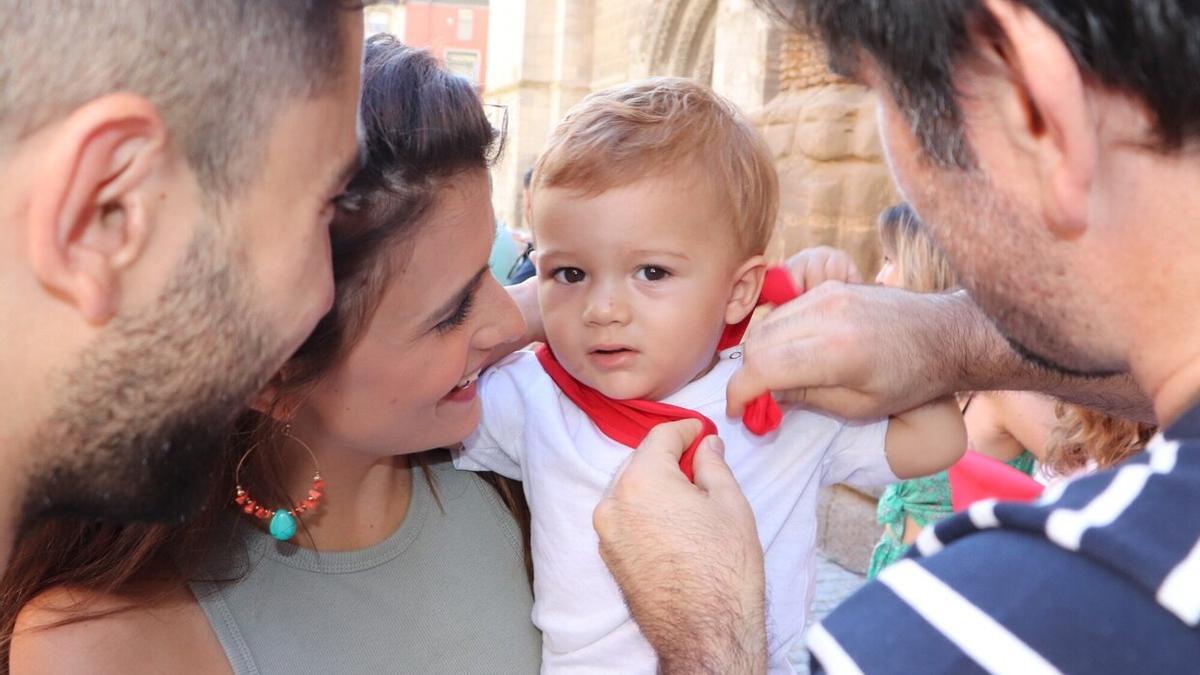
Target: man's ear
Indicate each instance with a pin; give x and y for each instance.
(89, 214)
(1048, 114)
(747, 285)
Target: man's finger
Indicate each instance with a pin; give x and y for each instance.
(775, 367)
(617, 475)
(843, 402)
(814, 273)
(711, 472)
(657, 457)
(670, 439)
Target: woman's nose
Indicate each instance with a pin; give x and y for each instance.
(503, 322)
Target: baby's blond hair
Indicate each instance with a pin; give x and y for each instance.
(652, 128)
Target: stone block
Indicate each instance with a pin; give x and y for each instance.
(778, 138)
(847, 531)
(825, 140)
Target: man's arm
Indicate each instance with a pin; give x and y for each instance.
(687, 556)
(867, 351)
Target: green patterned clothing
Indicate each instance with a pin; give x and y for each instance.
(927, 500)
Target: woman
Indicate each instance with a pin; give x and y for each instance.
(388, 571)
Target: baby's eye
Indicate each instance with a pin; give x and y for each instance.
(652, 273)
(569, 275)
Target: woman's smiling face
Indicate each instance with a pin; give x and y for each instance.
(408, 385)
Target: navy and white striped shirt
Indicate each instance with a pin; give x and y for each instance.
(1101, 575)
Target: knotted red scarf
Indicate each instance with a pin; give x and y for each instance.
(628, 422)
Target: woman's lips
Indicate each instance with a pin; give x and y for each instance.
(465, 390)
(463, 394)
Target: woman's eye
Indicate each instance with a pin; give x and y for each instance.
(652, 273)
(569, 275)
(459, 317)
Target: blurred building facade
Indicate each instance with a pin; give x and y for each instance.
(456, 31)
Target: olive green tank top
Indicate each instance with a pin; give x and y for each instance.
(446, 593)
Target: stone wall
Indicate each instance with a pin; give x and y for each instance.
(540, 63)
(833, 179)
(833, 182)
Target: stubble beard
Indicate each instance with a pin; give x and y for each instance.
(141, 419)
(1000, 255)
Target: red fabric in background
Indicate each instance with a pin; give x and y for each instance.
(628, 422)
(976, 477)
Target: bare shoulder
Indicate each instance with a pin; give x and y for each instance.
(154, 637)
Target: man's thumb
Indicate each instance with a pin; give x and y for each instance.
(709, 467)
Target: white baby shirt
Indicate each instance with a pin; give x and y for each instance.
(533, 433)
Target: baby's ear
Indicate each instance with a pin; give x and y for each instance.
(747, 285)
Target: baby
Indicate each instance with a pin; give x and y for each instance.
(652, 208)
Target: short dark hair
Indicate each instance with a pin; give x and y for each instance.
(1148, 48)
(218, 70)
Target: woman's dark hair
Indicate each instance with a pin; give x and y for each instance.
(423, 126)
(1148, 48)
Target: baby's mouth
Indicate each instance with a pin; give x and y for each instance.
(610, 349)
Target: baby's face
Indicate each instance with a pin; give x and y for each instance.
(634, 283)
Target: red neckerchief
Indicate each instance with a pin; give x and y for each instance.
(628, 422)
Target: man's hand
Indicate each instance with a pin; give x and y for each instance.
(814, 266)
(687, 557)
(856, 351)
(867, 352)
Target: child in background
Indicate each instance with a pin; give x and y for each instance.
(652, 208)
(1086, 440)
(1004, 425)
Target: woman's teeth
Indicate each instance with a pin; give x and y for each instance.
(466, 381)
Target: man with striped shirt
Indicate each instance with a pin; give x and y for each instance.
(1051, 146)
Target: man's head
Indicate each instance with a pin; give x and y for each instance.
(167, 175)
(652, 206)
(1032, 137)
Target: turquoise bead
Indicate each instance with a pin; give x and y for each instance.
(283, 525)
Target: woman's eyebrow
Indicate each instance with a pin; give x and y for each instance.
(458, 298)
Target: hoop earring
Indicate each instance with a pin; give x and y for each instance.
(283, 521)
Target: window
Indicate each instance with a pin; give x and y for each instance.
(466, 25)
(463, 62)
(378, 21)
